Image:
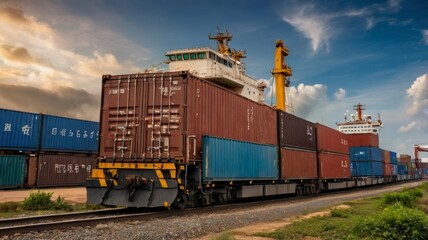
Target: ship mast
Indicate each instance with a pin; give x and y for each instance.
(223, 40)
(280, 73)
(359, 108)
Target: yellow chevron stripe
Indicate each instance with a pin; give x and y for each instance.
(119, 165)
(173, 173)
(179, 180)
(161, 178)
(97, 173)
(103, 182)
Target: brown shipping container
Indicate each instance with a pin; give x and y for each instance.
(298, 164)
(164, 116)
(296, 132)
(330, 140)
(387, 169)
(64, 170)
(333, 166)
(386, 156)
(404, 158)
(363, 139)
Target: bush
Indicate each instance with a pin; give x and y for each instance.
(9, 206)
(340, 213)
(395, 222)
(38, 201)
(406, 198)
(60, 204)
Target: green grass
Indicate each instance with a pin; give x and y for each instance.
(390, 216)
(223, 236)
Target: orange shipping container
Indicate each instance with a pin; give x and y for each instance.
(363, 139)
(386, 156)
(387, 169)
(298, 164)
(330, 140)
(333, 166)
(404, 158)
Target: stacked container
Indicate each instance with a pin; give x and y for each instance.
(366, 161)
(387, 166)
(393, 160)
(363, 139)
(297, 139)
(332, 153)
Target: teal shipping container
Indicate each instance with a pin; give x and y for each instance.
(12, 171)
(231, 160)
(366, 169)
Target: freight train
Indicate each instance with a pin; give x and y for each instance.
(200, 134)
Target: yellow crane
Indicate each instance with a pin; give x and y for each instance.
(280, 73)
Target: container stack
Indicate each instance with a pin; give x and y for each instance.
(387, 167)
(424, 170)
(363, 140)
(393, 160)
(39, 150)
(366, 161)
(333, 153)
(404, 166)
(297, 138)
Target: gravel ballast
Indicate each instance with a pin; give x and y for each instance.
(194, 226)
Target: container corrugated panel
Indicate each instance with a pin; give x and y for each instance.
(404, 158)
(402, 169)
(393, 157)
(394, 169)
(386, 156)
(64, 170)
(12, 171)
(69, 135)
(332, 166)
(19, 130)
(387, 169)
(298, 164)
(132, 126)
(296, 132)
(230, 160)
(363, 139)
(331, 140)
(365, 169)
(365, 154)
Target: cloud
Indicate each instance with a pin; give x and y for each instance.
(62, 101)
(13, 53)
(307, 98)
(340, 94)
(312, 25)
(417, 95)
(425, 36)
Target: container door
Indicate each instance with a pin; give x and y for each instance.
(32, 171)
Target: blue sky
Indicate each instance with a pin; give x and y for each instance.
(53, 53)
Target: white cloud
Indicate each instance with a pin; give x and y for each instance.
(312, 25)
(417, 95)
(425, 36)
(308, 98)
(340, 94)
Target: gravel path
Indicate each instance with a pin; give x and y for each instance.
(196, 226)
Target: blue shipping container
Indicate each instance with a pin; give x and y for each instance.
(361, 169)
(69, 135)
(229, 160)
(402, 169)
(394, 169)
(19, 130)
(393, 157)
(12, 171)
(365, 154)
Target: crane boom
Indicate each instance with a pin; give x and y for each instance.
(417, 150)
(280, 73)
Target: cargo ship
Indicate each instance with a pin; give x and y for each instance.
(360, 123)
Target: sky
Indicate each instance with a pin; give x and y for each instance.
(53, 54)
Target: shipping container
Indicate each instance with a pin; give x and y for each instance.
(295, 132)
(394, 169)
(164, 116)
(298, 164)
(12, 171)
(366, 169)
(386, 156)
(69, 135)
(387, 169)
(363, 139)
(330, 140)
(231, 160)
(402, 169)
(404, 158)
(393, 157)
(63, 170)
(365, 154)
(332, 166)
(20, 130)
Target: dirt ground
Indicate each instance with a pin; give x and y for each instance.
(71, 194)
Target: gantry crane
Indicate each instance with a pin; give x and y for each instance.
(280, 73)
(417, 150)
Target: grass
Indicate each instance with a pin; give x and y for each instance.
(390, 216)
(40, 203)
(223, 236)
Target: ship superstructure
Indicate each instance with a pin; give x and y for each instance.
(359, 123)
(222, 66)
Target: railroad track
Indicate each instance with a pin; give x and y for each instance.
(84, 219)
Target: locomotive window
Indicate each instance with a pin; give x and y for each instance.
(201, 55)
(193, 56)
(186, 56)
(179, 57)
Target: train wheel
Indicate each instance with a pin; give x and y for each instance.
(180, 202)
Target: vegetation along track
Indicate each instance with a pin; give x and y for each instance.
(63, 221)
